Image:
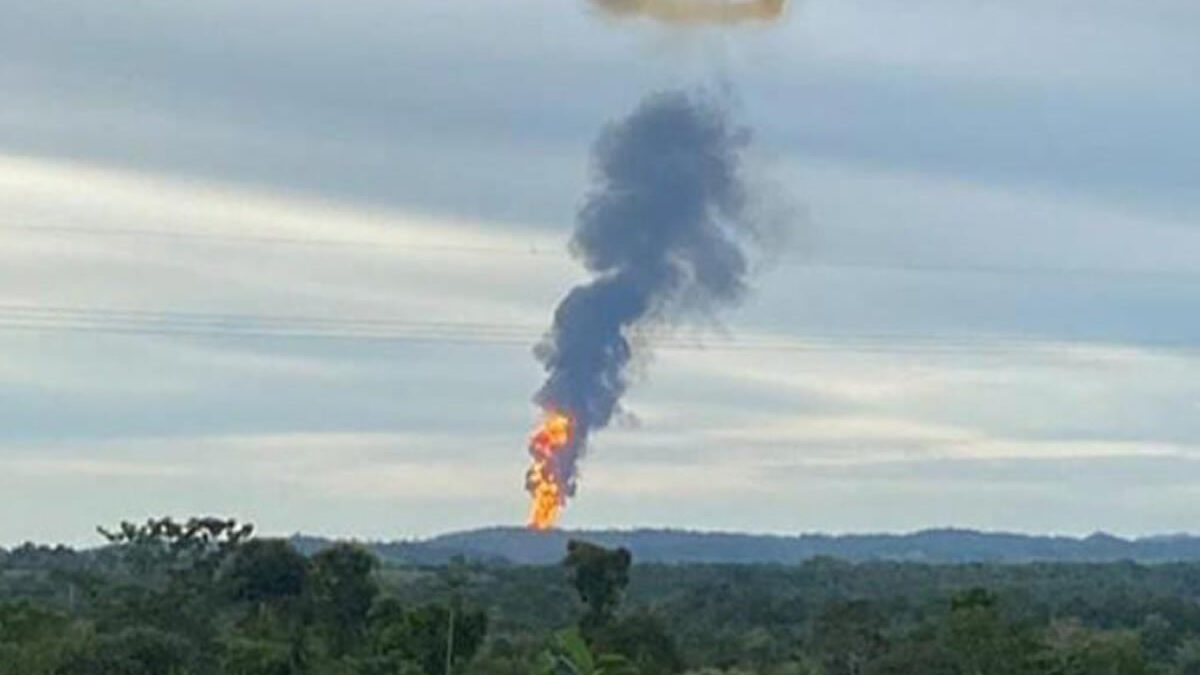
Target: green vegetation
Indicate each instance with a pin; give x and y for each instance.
(206, 597)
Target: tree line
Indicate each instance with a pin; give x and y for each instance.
(207, 597)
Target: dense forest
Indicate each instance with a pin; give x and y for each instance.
(207, 597)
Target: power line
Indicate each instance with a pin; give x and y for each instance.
(273, 240)
(230, 319)
(558, 251)
(114, 321)
(280, 240)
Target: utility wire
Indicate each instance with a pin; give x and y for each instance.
(116, 321)
(557, 251)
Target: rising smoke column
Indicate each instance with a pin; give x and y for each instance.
(695, 11)
(663, 234)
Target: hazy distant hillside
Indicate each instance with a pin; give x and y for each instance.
(522, 546)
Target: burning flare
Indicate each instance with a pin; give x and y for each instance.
(666, 234)
(546, 489)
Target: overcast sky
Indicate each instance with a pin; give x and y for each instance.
(988, 313)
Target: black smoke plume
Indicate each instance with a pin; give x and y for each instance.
(664, 233)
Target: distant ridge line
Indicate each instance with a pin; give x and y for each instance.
(516, 545)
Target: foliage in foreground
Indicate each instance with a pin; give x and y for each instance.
(205, 597)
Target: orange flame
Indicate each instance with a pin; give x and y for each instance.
(548, 496)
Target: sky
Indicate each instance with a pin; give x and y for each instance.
(286, 261)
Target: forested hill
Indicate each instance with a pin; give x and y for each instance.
(522, 546)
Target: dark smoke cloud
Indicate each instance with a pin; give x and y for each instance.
(664, 232)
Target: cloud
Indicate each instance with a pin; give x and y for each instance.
(261, 97)
(991, 320)
(703, 12)
(108, 224)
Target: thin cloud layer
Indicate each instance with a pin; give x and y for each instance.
(695, 12)
(1000, 286)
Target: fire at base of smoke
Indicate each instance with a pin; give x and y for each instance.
(665, 233)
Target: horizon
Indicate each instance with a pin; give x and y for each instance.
(665, 529)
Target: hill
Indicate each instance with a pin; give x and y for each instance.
(526, 547)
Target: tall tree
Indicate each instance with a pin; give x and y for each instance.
(600, 576)
(267, 571)
(342, 590)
